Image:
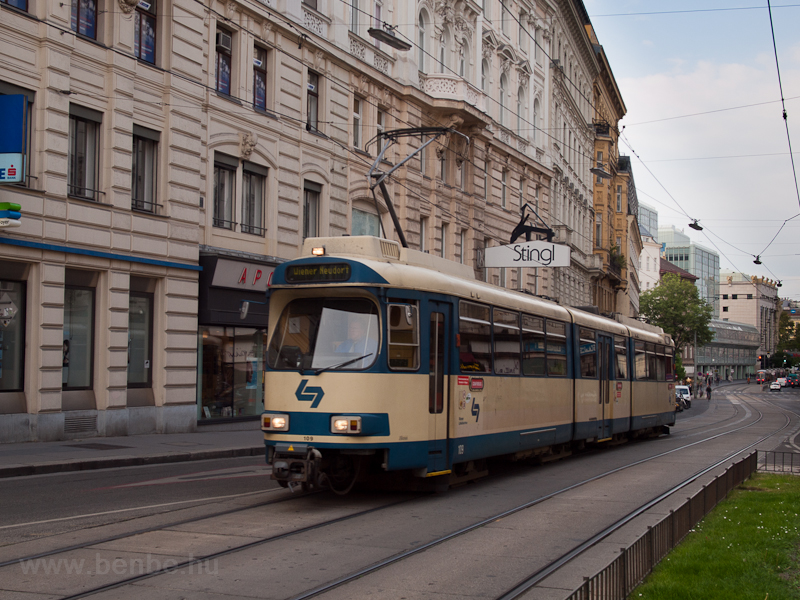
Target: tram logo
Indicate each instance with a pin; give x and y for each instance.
(309, 394)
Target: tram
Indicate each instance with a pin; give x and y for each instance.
(385, 360)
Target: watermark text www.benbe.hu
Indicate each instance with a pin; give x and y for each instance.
(129, 567)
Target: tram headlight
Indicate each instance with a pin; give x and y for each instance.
(270, 422)
(345, 425)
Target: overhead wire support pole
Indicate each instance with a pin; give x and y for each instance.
(390, 138)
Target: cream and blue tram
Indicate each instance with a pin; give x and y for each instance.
(383, 359)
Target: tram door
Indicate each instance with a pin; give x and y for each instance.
(440, 341)
(605, 346)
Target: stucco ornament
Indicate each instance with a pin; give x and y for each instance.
(249, 141)
(127, 6)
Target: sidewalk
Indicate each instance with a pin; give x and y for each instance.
(35, 458)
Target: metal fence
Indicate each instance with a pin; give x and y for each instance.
(779, 462)
(636, 561)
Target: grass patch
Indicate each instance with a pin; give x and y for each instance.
(747, 547)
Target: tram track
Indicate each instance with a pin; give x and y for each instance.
(399, 557)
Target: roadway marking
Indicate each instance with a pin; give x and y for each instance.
(123, 510)
(215, 475)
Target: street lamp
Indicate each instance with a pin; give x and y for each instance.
(757, 261)
(694, 225)
(600, 171)
(387, 36)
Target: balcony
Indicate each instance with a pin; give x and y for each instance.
(452, 87)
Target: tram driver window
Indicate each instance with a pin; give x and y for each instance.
(403, 337)
(474, 329)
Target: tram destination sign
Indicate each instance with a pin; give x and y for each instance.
(327, 273)
(527, 254)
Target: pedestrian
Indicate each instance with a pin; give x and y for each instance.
(708, 392)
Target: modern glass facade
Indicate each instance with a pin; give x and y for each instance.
(733, 352)
(699, 261)
(648, 218)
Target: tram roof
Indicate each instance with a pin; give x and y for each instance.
(412, 269)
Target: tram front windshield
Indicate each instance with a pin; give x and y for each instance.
(325, 334)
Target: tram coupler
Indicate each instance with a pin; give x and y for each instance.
(295, 463)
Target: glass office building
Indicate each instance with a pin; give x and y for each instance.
(699, 261)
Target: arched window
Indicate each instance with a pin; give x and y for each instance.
(421, 43)
(503, 84)
(520, 110)
(536, 121)
(444, 42)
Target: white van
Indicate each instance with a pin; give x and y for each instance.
(683, 390)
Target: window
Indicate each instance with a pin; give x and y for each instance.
(380, 123)
(378, 22)
(503, 187)
(486, 181)
(522, 34)
(144, 31)
(533, 346)
(224, 181)
(7, 89)
(505, 16)
(423, 234)
(422, 35)
(365, 223)
(506, 342)
(520, 108)
(521, 191)
(357, 137)
(536, 112)
(354, 16)
(621, 354)
(598, 229)
(84, 155)
(259, 78)
(724, 296)
(224, 48)
(140, 339)
(474, 327)
(749, 296)
(311, 194)
(84, 18)
(503, 84)
(312, 108)
(254, 183)
(78, 346)
(20, 4)
(556, 349)
(443, 249)
(144, 169)
(734, 296)
(443, 165)
(403, 337)
(724, 309)
(485, 76)
(588, 352)
(619, 198)
(462, 240)
(12, 335)
(444, 42)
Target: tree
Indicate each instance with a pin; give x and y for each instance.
(675, 306)
(786, 332)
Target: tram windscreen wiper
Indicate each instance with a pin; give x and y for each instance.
(340, 365)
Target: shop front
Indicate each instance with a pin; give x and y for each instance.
(231, 350)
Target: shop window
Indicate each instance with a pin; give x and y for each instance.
(12, 335)
(78, 347)
(144, 168)
(84, 18)
(254, 183)
(7, 89)
(140, 339)
(84, 152)
(231, 366)
(144, 31)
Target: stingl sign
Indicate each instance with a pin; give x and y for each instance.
(527, 254)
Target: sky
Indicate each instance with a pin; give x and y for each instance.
(704, 125)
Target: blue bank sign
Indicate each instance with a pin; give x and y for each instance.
(13, 125)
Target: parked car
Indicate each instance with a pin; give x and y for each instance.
(683, 391)
(774, 386)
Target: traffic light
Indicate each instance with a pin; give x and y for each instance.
(10, 215)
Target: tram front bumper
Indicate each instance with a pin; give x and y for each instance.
(295, 463)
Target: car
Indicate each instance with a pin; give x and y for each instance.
(775, 386)
(683, 390)
(781, 381)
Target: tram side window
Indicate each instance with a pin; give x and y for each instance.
(556, 349)
(670, 364)
(403, 337)
(621, 360)
(652, 362)
(640, 361)
(588, 347)
(474, 331)
(661, 363)
(506, 342)
(533, 346)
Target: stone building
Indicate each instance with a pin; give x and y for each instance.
(178, 151)
(752, 300)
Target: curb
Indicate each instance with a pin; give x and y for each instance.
(126, 461)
